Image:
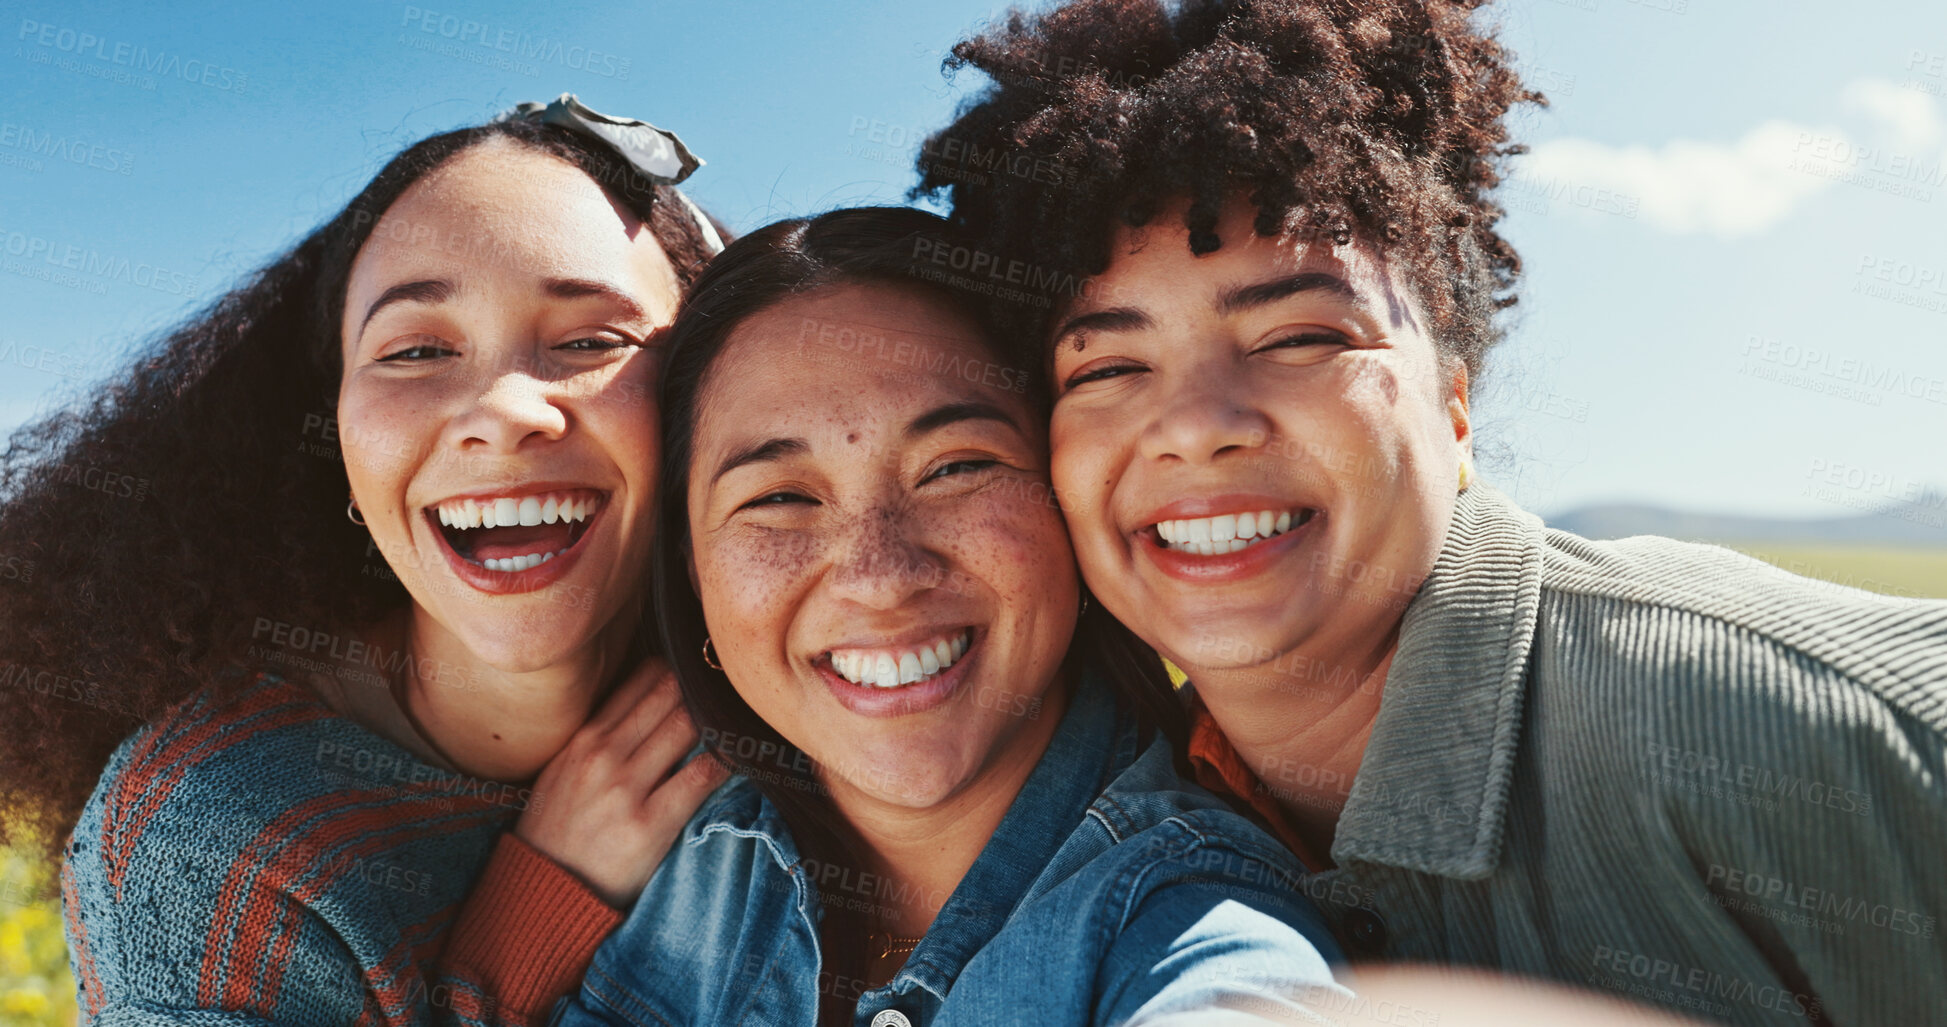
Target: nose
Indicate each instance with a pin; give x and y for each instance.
(513, 408)
(1203, 416)
(881, 565)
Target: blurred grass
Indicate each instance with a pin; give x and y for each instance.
(37, 991)
(1892, 570)
(35, 987)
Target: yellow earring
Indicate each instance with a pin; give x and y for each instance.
(1466, 474)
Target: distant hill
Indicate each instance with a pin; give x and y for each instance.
(1906, 525)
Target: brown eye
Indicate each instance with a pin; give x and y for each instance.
(776, 499)
(1318, 337)
(958, 467)
(595, 344)
(1100, 372)
(415, 354)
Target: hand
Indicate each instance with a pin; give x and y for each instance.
(613, 800)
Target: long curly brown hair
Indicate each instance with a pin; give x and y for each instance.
(147, 529)
(1376, 119)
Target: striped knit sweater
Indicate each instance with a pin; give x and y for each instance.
(264, 860)
(1656, 769)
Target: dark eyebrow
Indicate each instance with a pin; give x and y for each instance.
(437, 290)
(953, 413)
(1245, 297)
(758, 452)
(575, 288)
(1115, 319)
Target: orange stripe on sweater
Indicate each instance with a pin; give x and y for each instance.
(145, 784)
(332, 842)
(257, 858)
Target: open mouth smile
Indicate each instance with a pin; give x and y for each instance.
(1229, 533)
(894, 680)
(515, 541)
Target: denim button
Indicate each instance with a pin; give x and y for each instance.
(1365, 932)
(891, 1018)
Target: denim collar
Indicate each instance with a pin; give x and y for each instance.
(1432, 790)
(1092, 743)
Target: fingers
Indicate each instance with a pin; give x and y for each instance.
(663, 747)
(679, 797)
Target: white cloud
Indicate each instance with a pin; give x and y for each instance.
(1741, 188)
(1907, 113)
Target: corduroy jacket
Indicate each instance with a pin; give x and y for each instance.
(1661, 770)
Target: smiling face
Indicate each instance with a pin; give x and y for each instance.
(1257, 449)
(496, 410)
(872, 537)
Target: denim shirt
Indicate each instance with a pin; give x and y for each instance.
(1112, 892)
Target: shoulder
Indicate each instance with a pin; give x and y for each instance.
(1690, 614)
(1152, 833)
(1726, 688)
(234, 823)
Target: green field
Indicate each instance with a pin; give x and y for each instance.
(1886, 569)
(36, 990)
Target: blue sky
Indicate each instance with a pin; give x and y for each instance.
(1734, 218)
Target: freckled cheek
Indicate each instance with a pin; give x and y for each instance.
(1016, 547)
(753, 589)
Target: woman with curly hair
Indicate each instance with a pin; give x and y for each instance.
(1259, 258)
(340, 702)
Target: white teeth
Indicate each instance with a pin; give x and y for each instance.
(518, 563)
(1225, 533)
(879, 668)
(506, 511)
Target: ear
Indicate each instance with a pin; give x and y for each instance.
(1456, 404)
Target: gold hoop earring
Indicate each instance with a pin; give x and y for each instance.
(707, 658)
(351, 511)
(1084, 604)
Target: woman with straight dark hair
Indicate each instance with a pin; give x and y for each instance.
(318, 711)
(954, 805)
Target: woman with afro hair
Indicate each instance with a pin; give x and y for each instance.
(1254, 249)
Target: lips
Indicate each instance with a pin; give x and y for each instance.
(890, 678)
(1223, 539)
(891, 667)
(1229, 533)
(515, 540)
